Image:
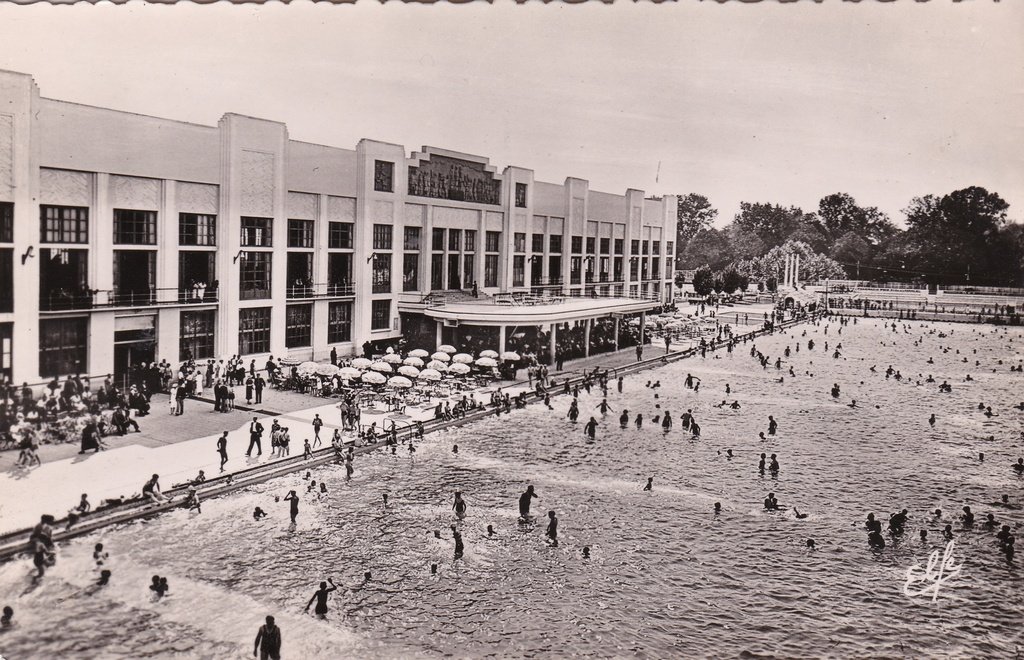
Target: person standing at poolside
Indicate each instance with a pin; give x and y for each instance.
(317, 423)
(222, 449)
(268, 641)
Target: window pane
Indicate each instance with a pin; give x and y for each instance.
(538, 243)
(410, 272)
(254, 330)
(382, 237)
(7, 280)
(339, 322)
(381, 317)
(197, 229)
(256, 232)
(300, 233)
(605, 245)
(412, 238)
(555, 244)
(454, 238)
(470, 240)
(491, 270)
(591, 245)
(383, 176)
(197, 333)
(62, 347)
(521, 195)
(493, 241)
(577, 245)
(64, 224)
(254, 276)
(298, 325)
(437, 240)
(340, 235)
(519, 270)
(134, 227)
(382, 273)
(520, 242)
(6, 222)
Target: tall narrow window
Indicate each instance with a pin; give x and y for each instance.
(519, 270)
(470, 240)
(134, 227)
(253, 330)
(6, 222)
(591, 245)
(380, 316)
(605, 245)
(576, 245)
(519, 242)
(619, 245)
(437, 240)
(298, 328)
(493, 239)
(383, 176)
(382, 273)
(196, 335)
(339, 322)
(491, 270)
(411, 238)
(521, 195)
(6, 280)
(411, 272)
(454, 240)
(555, 244)
(254, 276)
(537, 246)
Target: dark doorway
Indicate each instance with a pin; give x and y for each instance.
(134, 277)
(196, 273)
(454, 280)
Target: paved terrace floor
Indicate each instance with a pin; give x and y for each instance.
(177, 447)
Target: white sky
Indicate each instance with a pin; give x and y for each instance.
(754, 102)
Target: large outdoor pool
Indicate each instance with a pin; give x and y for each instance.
(666, 578)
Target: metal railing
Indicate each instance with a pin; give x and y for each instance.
(58, 301)
(320, 290)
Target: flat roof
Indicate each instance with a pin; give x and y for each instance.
(571, 309)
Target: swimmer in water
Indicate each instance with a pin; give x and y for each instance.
(650, 483)
(931, 420)
(728, 453)
(294, 500)
(718, 508)
(624, 419)
(490, 530)
(924, 536)
(774, 466)
(760, 464)
(459, 547)
(947, 532)
(552, 531)
(321, 596)
(525, 500)
(590, 429)
(639, 420)
(459, 506)
(875, 540)
(586, 552)
(258, 513)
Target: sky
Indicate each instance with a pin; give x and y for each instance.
(768, 102)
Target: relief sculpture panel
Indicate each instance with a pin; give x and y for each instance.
(443, 177)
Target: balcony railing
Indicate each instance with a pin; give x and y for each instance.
(61, 300)
(321, 290)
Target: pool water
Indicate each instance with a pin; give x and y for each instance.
(666, 577)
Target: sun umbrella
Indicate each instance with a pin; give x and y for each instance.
(382, 367)
(489, 353)
(430, 374)
(437, 365)
(418, 353)
(326, 369)
(288, 362)
(409, 370)
(393, 358)
(399, 381)
(374, 378)
(348, 373)
(510, 355)
(413, 362)
(361, 363)
(486, 362)
(307, 368)
(441, 356)
(464, 358)
(459, 368)
(447, 348)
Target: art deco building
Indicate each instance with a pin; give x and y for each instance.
(128, 238)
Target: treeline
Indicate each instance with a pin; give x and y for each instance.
(963, 237)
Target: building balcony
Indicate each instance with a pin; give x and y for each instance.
(62, 301)
(320, 290)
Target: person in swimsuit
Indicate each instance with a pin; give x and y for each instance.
(222, 449)
(552, 530)
(624, 419)
(268, 641)
(591, 428)
(459, 506)
(151, 490)
(772, 425)
(650, 483)
(321, 596)
(604, 407)
(294, 499)
(459, 547)
(525, 500)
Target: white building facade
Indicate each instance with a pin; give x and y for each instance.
(126, 238)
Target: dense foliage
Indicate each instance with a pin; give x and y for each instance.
(962, 237)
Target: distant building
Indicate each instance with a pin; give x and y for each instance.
(126, 238)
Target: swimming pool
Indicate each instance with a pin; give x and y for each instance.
(666, 578)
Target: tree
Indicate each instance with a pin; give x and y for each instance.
(840, 214)
(709, 246)
(850, 250)
(693, 214)
(703, 281)
(957, 237)
(730, 280)
(771, 223)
